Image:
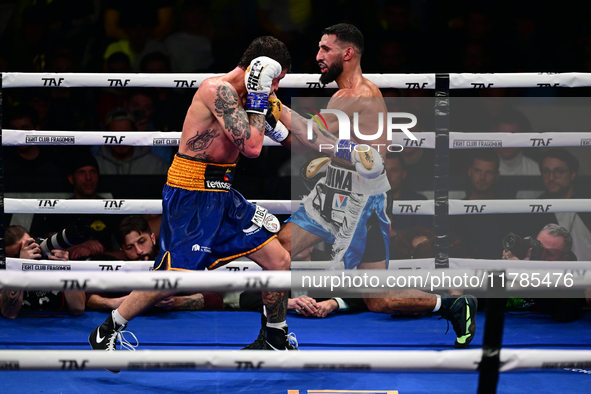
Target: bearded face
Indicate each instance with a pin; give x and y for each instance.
(332, 72)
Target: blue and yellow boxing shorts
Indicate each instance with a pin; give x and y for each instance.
(206, 223)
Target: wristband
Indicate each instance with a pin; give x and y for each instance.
(277, 134)
(257, 102)
(343, 149)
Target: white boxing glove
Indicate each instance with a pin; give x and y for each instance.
(258, 79)
(367, 161)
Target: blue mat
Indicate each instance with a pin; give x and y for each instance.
(232, 330)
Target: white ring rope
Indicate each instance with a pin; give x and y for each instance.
(224, 281)
(518, 140)
(13, 264)
(400, 81)
(285, 207)
(426, 140)
(105, 80)
(12, 137)
(519, 80)
(117, 206)
(253, 360)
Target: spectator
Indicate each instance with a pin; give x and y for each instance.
(158, 14)
(513, 161)
(170, 104)
(125, 159)
(83, 176)
(396, 172)
(559, 170)
(190, 48)
(482, 233)
(137, 44)
(117, 63)
(138, 243)
(419, 162)
(32, 43)
(483, 174)
(19, 244)
(557, 243)
(27, 160)
(142, 104)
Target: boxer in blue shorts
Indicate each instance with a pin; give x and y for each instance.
(200, 216)
(205, 222)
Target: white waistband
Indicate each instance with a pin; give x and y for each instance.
(346, 180)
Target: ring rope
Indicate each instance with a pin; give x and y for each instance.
(253, 360)
(105, 80)
(284, 207)
(116, 206)
(399, 81)
(426, 140)
(14, 264)
(224, 281)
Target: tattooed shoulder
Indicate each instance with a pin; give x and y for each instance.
(226, 100)
(234, 120)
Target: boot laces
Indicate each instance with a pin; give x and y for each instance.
(125, 344)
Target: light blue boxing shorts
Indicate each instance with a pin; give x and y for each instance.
(348, 211)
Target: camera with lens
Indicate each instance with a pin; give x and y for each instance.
(519, 246)
(74, 234)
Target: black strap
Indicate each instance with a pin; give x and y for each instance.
(441, 187)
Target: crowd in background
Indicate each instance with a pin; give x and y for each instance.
(198, 36)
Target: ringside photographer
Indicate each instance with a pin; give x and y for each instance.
(553, 243)
(19, 244)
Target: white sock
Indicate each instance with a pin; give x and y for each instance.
(438, 304)
(277, 325)
(117, 318)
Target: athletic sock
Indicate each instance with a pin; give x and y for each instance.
(438, 303)
(118, 319)
(277, 325)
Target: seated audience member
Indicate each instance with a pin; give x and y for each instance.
(138, 243)
(559, 170)
(142, 105)
(83, 176)
(190, 48)
(557, 243)
(419, 162)
(513, 161)
(27, 160)
(119, 15)
(171, 104)
(111, 97)
(482, 233)
(125, 159)
(413, 243)
(19, 244)
(137, 44)
(396, 172)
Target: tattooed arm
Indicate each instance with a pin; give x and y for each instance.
(246, 131)
(298, 126)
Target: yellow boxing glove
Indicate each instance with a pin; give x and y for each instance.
(274, 129)
(313, 171)
(317, 166)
